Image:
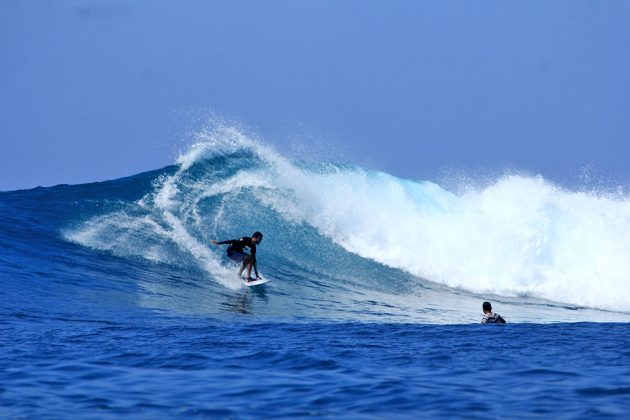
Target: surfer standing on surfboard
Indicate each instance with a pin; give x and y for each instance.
(236, 252)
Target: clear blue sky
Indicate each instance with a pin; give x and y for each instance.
(95, 90)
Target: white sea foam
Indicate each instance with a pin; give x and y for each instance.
(518, 236)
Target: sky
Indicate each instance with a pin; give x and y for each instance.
(92, 90)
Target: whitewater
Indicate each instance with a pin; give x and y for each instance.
(520, 237)
(115, 302)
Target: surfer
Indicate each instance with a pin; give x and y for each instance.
(489, 317)
(236, 252)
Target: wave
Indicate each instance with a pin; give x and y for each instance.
(518, 236)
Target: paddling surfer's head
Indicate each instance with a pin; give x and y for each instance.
(487, 307)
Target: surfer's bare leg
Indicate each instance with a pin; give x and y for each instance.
(247, 262)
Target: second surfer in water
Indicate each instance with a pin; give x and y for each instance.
(236, 252)
(490, 317)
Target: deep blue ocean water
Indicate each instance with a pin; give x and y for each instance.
(114, 303)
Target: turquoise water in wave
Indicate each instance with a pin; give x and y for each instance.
(115, 304)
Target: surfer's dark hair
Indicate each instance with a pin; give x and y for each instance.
(257, 235)
(487, 307)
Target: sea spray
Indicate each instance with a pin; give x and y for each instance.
(517, 236)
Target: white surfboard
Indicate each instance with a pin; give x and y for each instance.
(256, 282)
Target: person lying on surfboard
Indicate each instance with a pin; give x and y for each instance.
(236, 252)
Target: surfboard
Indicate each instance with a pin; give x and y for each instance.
(256, 282)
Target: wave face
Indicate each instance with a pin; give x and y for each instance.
(336, 232)
(341, 242)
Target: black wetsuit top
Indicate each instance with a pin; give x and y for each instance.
(492, 318)
(238, 245)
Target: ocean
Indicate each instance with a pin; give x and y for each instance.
(116, 304)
